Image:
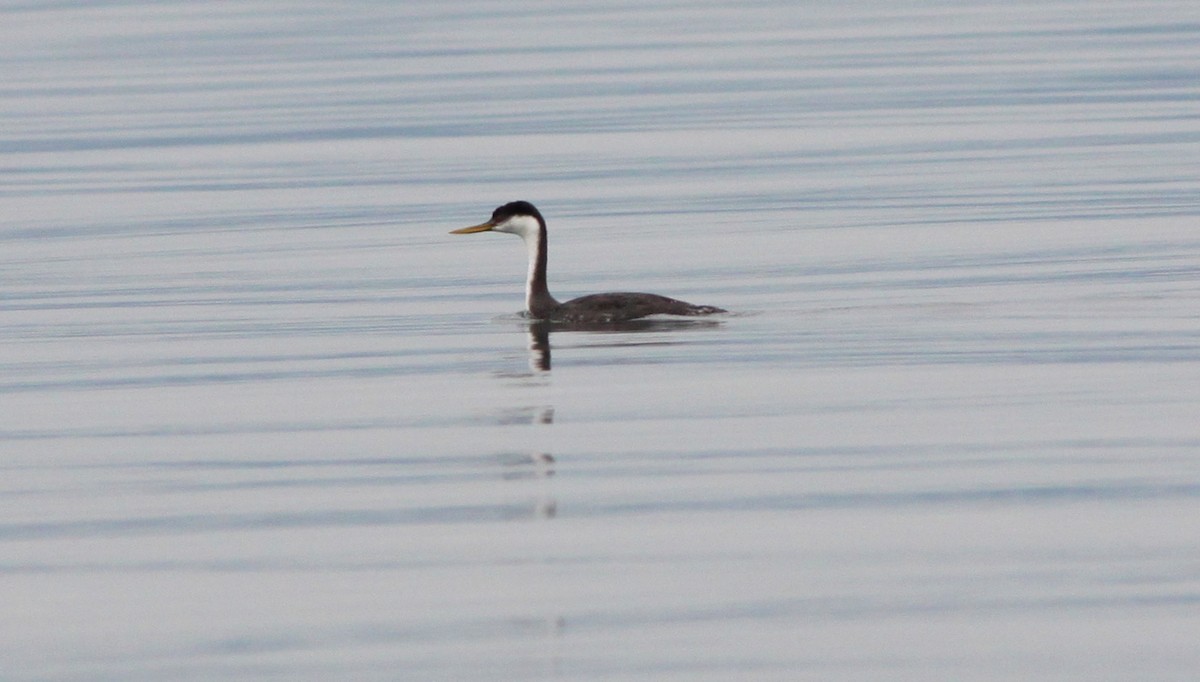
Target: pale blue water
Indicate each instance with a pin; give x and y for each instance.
(261, 417)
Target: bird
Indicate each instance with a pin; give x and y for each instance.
(524, 220)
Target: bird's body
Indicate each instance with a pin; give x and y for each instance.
(623, 305)
(523, 219)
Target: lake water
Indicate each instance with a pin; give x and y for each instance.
(262, 418)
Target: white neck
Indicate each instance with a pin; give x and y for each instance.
(531, 248)
(537, 297)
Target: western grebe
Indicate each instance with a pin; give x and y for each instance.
(522, 219)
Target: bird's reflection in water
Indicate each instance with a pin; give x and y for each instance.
(537, 466)
(532, 414)
(540, 330)
(534, 465)
(539, 346)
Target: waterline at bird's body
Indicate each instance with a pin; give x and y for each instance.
(523, 219)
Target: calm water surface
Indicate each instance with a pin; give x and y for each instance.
(262, 418)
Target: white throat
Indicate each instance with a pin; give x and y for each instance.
(527, 228)
(531, 248)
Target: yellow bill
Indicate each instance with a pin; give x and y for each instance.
(483, 227)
